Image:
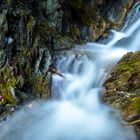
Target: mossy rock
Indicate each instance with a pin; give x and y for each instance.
(123, 86)
(8, 82)
(136, 104)
(77, 4)
(38, 84)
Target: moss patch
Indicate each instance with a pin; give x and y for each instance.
(123, 86)
(8, 82)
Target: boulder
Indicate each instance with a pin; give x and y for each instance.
(123, 88)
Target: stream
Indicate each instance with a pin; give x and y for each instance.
(76, 110)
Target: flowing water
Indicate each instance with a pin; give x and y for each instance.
(76, 111)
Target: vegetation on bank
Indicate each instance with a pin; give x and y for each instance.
(123, 87)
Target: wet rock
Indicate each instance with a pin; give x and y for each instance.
(123, 86)
(45, 61)
(32, 31)
(54, 13)
(3, 26)
(120, 7)
(62, 43)
(94, 18)
(22, 96)
(2, 58)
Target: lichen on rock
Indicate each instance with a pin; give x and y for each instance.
(8, 85)
(123, 87)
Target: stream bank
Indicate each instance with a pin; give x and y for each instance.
(31, 31)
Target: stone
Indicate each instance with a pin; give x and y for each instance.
(2, 58)
(3, 27)
(125, 78)
(54, 13)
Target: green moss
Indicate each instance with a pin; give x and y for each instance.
(97, 28)
(40, 87)
(90, 15)
(8, 82)
(123, 67)
(38, 84)
(30, 24)
(77, 4)
(129, 64)
(44, 28)
(126, 79)
(9, 2)
(136, 104)
(75, 33)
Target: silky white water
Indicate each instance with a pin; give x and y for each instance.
(76, 111)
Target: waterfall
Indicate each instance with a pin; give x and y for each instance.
(76, 111)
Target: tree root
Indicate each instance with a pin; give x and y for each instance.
(131, 123)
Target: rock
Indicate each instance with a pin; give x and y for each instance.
(123, 86)
(2, 58)
(31, 32)
(62, 43)
(54, 13)
(3, 26)
(22, 96)
(94, 17)
(121, 7)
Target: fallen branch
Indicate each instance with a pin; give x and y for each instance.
(55, 71)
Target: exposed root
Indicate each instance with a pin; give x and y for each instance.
(131, 123)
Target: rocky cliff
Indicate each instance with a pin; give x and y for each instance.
(30, 33)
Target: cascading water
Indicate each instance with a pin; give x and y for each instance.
(76, 111)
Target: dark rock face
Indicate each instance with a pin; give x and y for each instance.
(91, 19)
(31, 31)
(123, 87)
(25, 55)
